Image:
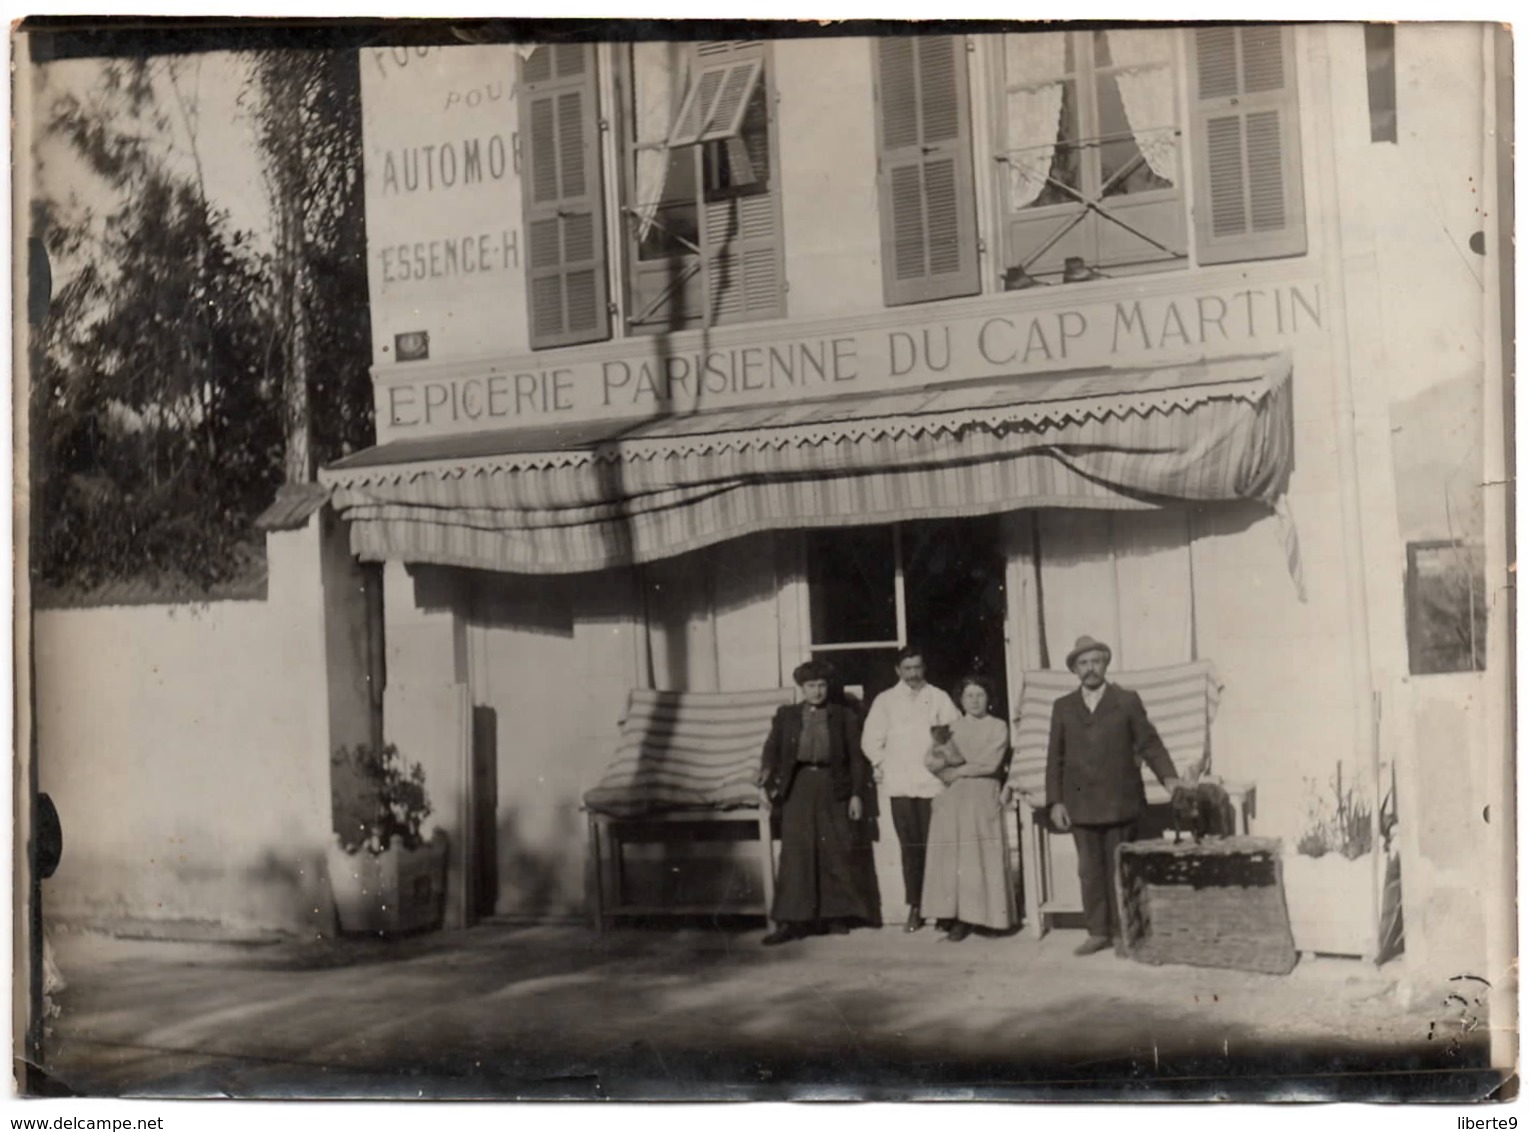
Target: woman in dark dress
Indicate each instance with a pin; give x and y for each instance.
(811, 771)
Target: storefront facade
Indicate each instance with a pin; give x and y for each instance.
(695, 360)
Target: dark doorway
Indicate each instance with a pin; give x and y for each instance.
(953, 577)
(936, 583)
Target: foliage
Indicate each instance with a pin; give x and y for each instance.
(163, 376)
(154, 437)
(379, 798)
(1447, 608)
(1340, 823)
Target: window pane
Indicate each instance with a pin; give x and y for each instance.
(741, 166)
(872, 671)
(851, 585)
(676, 219)
(1124, 167)
(1041, 120)
(1066, 168)
(1380, 65)
(1446, 607)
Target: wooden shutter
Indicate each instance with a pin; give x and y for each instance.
(741, 234)
(560, 190)
(1246, 137)
(924, 169)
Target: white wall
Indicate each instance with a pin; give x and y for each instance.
(554, 658)
(1420, 294)
(187, 750)
(828, 177)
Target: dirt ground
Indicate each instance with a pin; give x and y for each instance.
(503, 1011)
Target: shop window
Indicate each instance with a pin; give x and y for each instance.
(1446, 607)
(562, 197)
(856, 613)
(1092, 151)
(701, 207)
(924, 169)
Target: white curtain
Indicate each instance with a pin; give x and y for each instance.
(658, 74)
(1145, 78)
(1034, 114)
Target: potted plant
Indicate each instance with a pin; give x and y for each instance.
(1329, 877)
(385, 876)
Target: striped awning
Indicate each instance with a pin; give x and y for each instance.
(563, 500)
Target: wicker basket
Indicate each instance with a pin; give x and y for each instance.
(1220, 903)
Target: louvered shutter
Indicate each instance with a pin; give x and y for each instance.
(741, 234)
(1246, 133)
(924, 169)
(560, 190)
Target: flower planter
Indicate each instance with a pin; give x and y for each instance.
(397, 890)
(1331, 903)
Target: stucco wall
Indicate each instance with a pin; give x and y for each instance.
(186, 748)
(830, 210)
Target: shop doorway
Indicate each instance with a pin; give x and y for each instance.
(953, 573)
(936, 583)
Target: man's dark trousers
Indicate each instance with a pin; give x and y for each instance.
(1096, 872)
(910, 817)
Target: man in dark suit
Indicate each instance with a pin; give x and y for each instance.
(1100, 735)
(812, 771)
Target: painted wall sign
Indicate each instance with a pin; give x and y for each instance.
(643, 376)
(443, 198)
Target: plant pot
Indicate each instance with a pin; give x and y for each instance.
(398, 890)
(1331, 903)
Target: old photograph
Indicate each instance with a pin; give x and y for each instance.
(723, 560)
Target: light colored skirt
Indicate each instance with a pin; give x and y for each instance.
(966, 876)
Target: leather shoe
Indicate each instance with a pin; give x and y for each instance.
(915, 921)
(958, 932)
(783, 934)
(1092, 944)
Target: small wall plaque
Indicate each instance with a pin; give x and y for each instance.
(413, 346)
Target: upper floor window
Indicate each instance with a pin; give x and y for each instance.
(701, 198)
(1090, 151)
(1101, 167)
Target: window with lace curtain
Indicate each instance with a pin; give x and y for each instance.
(700, 188)
(1094, 150)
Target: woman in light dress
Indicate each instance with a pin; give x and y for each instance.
(966, 880)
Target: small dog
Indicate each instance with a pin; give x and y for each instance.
(942, 754)
(1204, 809)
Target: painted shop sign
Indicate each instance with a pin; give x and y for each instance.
(443, 198)
(639, 377)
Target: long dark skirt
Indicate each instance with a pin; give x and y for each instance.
(825, 869)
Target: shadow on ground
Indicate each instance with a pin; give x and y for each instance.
(542, 1012)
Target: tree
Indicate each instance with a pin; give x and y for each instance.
(307, 111)
(153, 406)
(185, 369)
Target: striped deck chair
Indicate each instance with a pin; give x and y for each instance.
(682, 757)
(1181, 702)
